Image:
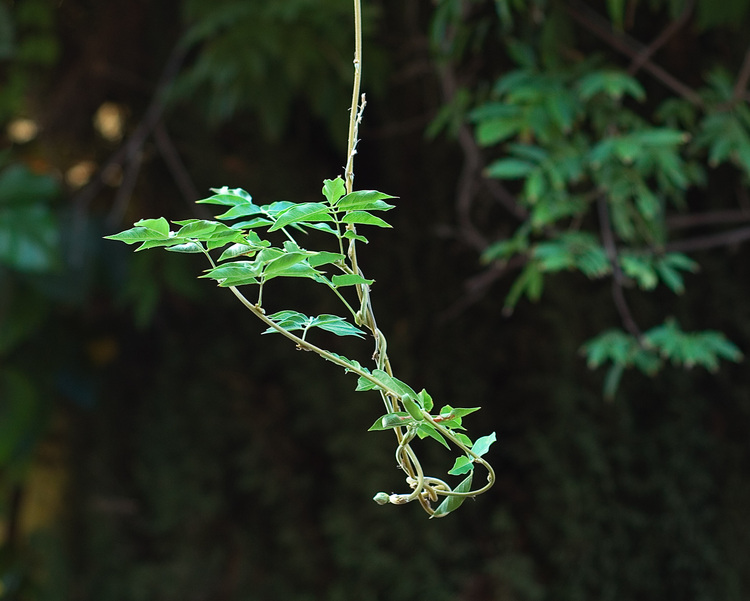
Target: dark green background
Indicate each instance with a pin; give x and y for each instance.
(207, 462)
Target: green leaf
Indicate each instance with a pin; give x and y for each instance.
(300, 213)
(462, 465)
(198, 228)
(239, 211)
(237, 250)
(283, 263)
(228, 197)
(140, 233)
(496, 130)
(392, 420)
(482, 444)
(324, 258)
(368, 200)
(288, 320)
(509, 169)
(425, 400)
(613, 83)
(411, 406)
(365, 218)
(530, 282)
(235, 273)
(350, 235)
(350, 279)
(452, 503)
(159, 225)
(424, 430)
(186, 247)
(337, 325)
(333, 189)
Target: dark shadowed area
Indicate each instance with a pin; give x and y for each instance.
(568, 252)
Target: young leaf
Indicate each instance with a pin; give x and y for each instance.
(333, 189)
(482, 445)
(425, 400)
(350, 235)
(462, 465)
(411, 406)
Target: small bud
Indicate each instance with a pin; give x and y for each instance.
(381, 498)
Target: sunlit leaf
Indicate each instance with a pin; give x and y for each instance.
(365, 218)
(462, 465)
(300, 213)
(350, 279)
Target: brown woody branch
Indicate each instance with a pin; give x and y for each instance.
(618, 277)
(670, 30)
(600, 27)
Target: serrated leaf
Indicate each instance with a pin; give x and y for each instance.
(452, 503)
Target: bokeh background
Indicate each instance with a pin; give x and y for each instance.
(155, 447)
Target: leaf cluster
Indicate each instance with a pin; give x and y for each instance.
(251, 245)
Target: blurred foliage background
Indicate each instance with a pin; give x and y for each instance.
(153, 446)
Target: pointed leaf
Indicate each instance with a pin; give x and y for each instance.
(300, 213)
(482, 445)
(337, 325)
(453, 503)
(333, 189)
(426, 430)
(462, 465)
(369, 200)
(350, 279)
(365, 218)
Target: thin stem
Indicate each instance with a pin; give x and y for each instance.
(354, 111)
